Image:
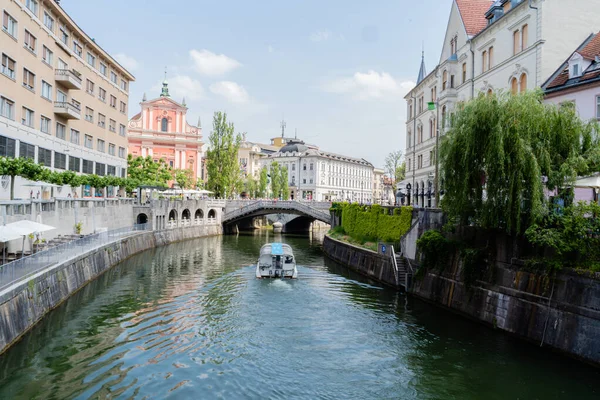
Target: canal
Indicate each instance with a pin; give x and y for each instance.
(190, 321)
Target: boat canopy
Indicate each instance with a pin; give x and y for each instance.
(276, 249)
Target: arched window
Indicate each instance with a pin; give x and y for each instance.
(164, 124)
(514, 86)
(523, 87)
(444, 80)
(443, 117)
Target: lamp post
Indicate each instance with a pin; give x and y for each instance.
(435, 106)
(408, 188)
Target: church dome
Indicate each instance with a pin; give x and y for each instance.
(294, 146)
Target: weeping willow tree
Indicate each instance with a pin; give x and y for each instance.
(499, 151)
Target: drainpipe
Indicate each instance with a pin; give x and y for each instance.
(472, 68)
(537, 46)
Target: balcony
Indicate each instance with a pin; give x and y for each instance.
(68, 78)
(67, 110)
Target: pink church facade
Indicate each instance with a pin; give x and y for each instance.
(161, 130)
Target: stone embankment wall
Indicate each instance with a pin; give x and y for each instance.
(366, 262)
(24, 304)
(562, 312)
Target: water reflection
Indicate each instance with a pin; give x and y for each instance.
(189, 321)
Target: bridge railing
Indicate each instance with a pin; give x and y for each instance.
(275, 205)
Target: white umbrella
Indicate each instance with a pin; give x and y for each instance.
(205, 191)
(26, 227)
(6, 235)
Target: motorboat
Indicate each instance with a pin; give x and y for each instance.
(276, 260)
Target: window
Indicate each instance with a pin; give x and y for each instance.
(77, 49)
(32, 5)
(62, 64)
(49, 21)
(9, 24)
(408, 138)
(7, 147)
(303, 180)
(27, 118)
(410, 108)
(420, 104)
(102, 95)
(30, 41)
(112, 125)
(113, 101)
(45, 124)
(88, 142)
(123, 84)
(444, 117)
(61, 96)
(122, 152)
(598, 107)
(433, 93)
(122, 130)
(484, 61)
(74, 164)
(89, 87)
(431, 158)
(444, 80)
(111, 170)
(87, 167)
(516, 42)
(8, 66)
(464, 72)
(100, 146)
(101, 120)
(451, 81)
(60, 160)
(524, 36)
(74, 136)
(304, 168)
(7, 108)
(46, 90)
(514, 86)
(293, 167)
(312, 166)
(113, 77)
(44, 157)
(61, 131)
(47, 56)
(523, 83)
(111, 149)
(100, 169)
(123, 107)
(91, 60)
(26, 150)
(576, 70)
(103, 69)
(89, 114)
(491, 57)
(164, 125)
(409, 165)
(76, 104)
(64, 36)
(28, 79)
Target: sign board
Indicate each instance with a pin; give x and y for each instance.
(382, 248)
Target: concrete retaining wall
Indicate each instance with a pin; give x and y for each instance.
(363, 261)
(563, 313)
(24, 304)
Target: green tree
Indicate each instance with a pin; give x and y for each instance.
(251, 186)
(395, 168)
(496, 152)
(285, 188)
(275, 174)
(222, 157)
(23, 167)
(263, 182)
(184, 178)
(199, 184)
(146, 171)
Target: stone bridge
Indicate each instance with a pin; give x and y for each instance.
(249, 209)
(166, 214)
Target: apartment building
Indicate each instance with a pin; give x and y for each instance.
(63, 99)
(489, 46)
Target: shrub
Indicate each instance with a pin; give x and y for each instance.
(435, 249)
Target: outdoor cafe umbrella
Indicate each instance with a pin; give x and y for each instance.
(26, 227)
(7, 234)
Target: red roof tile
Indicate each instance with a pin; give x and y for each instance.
(473, 14)
(560, 79)
(592, 49)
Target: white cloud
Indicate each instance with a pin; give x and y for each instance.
(369, 85)
(320, 36)
(182, 86)
(271, 49)
(230, 91)
(211, 64)
(129, 63)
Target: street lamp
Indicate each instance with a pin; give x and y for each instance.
(408, 187)
(435, 106)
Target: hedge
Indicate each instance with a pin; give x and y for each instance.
(373, 223)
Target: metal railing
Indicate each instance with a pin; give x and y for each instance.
(60, 73)
(395, 264)
(277, 205)
(68, 106)
(27, 266)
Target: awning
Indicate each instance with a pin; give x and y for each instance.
(588, 182)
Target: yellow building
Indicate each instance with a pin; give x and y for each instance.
(63, 99)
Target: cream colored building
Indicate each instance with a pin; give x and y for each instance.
(63, 99)
(378, 175)
(489, 46)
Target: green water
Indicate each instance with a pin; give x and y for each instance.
(190, 321)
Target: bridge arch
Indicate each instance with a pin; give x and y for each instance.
(199, 214)
(314, 211)
(212, 213)
(142, 219)
(173, 215)
(185, 214)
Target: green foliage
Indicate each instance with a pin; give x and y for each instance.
(184, 178)
(394, 167)
(572, 237)
(502, 145)
(275, 173)
(435, 249)
(263, 183)
(222, 164)
(474, 264)
(145, 171)
(373, 223)
(199, 184)
(285, 187)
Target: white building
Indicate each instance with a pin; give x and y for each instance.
(314, 174)
(489, 46)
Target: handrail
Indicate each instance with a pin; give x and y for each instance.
(277, 205)
(395, 264)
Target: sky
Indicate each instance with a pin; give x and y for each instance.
(336, 71)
